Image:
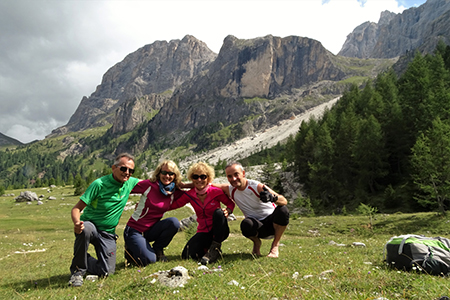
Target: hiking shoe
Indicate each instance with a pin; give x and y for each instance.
(160, 256)
(213, 253)
(76, 280)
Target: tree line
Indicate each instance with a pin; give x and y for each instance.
(385, 145)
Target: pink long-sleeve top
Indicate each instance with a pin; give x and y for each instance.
(204, 210)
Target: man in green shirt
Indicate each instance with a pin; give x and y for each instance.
(102, 205)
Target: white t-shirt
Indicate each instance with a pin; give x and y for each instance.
(249, 203)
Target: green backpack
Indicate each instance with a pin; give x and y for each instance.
(419, 253)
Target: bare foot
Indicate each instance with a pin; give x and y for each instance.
(273, 252)
(256, 246)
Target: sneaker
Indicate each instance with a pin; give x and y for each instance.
(160, 256)
(76, 280)
(213, 253)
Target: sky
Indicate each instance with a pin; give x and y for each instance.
(54, 52)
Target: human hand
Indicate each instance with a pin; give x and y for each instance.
(79, 227)
(266, 196)
(225, 212)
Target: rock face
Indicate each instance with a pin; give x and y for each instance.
(416, 28)
(180, 93)
(26, 196)
(136, 111)
(240, 83)
(361, 42)
(149, 70)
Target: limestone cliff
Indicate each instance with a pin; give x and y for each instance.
(243, 86)
(395, 34)
(153, 69)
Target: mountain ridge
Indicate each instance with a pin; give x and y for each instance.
(9, 141)
(418, 28)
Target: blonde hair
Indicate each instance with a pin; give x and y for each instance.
(172, 166)
(199, 169)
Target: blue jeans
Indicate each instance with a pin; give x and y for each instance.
(105, 248)
(137, 244)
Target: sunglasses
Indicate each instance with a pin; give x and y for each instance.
(124, 169)
(167, 173)
(202, 177)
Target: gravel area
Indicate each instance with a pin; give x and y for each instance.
(267, 138)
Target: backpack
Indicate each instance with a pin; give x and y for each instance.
(420, 253)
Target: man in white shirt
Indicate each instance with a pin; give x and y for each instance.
(265, 211)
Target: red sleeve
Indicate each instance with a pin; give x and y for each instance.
(141, 187)
(180, 202)
(226, 200)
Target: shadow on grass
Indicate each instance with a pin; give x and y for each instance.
(53, 282)
(174, 259)
(61, 281)
(410, 224)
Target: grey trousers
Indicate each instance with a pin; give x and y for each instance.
(105, 248)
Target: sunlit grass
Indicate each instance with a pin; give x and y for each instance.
(36, 243)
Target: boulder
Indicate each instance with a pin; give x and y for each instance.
(26, 196)
(176, 277)
(187, 222)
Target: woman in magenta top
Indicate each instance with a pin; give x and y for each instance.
(145, 225)
(212, 227)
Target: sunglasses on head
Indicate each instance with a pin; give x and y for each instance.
(167, 173)
(124, 169)
(202, 177)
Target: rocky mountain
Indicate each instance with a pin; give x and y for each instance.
(154, 69)
(251, 84)
(8, 141)
(181, 93)
(416, 28)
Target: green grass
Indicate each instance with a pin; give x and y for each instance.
(357, 273)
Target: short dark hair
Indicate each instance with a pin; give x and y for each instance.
(125, 154)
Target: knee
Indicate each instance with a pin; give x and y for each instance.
(89, 229)
(281, 216)
(219, 215)
(174, 223)
(247, 228)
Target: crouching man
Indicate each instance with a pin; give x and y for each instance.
(265, 211)
(102, 205)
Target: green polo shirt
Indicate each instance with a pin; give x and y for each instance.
(105, 200)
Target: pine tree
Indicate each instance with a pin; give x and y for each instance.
(79, 185)
(370, 156)
(431, 168)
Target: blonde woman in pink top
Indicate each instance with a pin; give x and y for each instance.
(212, 229)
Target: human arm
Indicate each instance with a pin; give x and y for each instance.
(76, 213)
(266, 194)
(223, 186)
(141, 187)
(180, 202)
(189, 185)
(228, 210)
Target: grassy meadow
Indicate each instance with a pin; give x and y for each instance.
(36, 243)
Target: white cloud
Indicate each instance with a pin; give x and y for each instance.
(55, 52)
